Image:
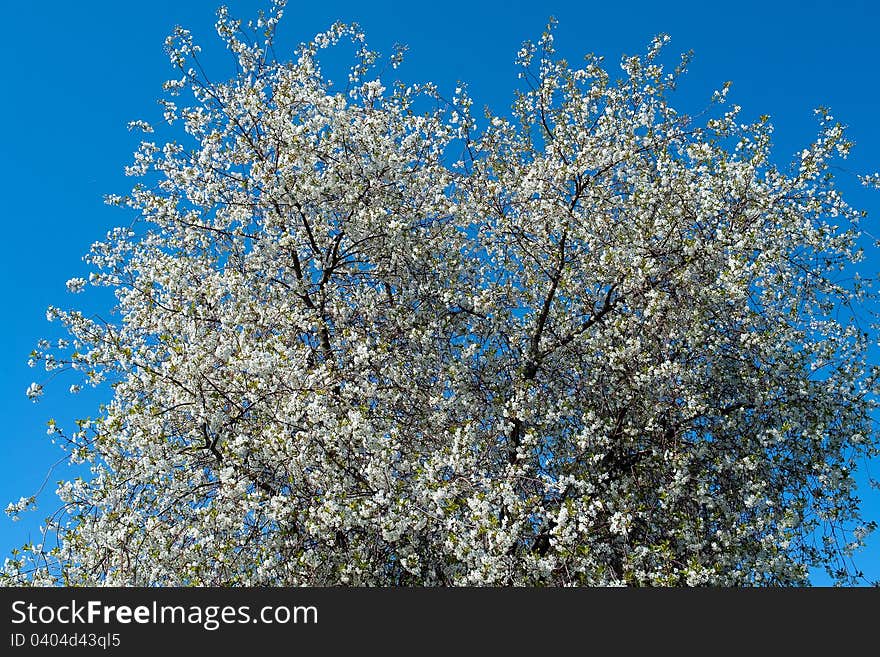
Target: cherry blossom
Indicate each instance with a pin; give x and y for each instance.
(366, 337)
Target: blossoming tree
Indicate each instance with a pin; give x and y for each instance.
(363, 340)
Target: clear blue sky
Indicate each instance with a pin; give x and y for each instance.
(76, 73)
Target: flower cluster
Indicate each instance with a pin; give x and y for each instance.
(609, 345)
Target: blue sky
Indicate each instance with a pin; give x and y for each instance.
(76, 73)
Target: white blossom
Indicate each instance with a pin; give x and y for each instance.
(76, 285)
(34, 391)
(360, 341)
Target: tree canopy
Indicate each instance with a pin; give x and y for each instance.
(365, 336)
